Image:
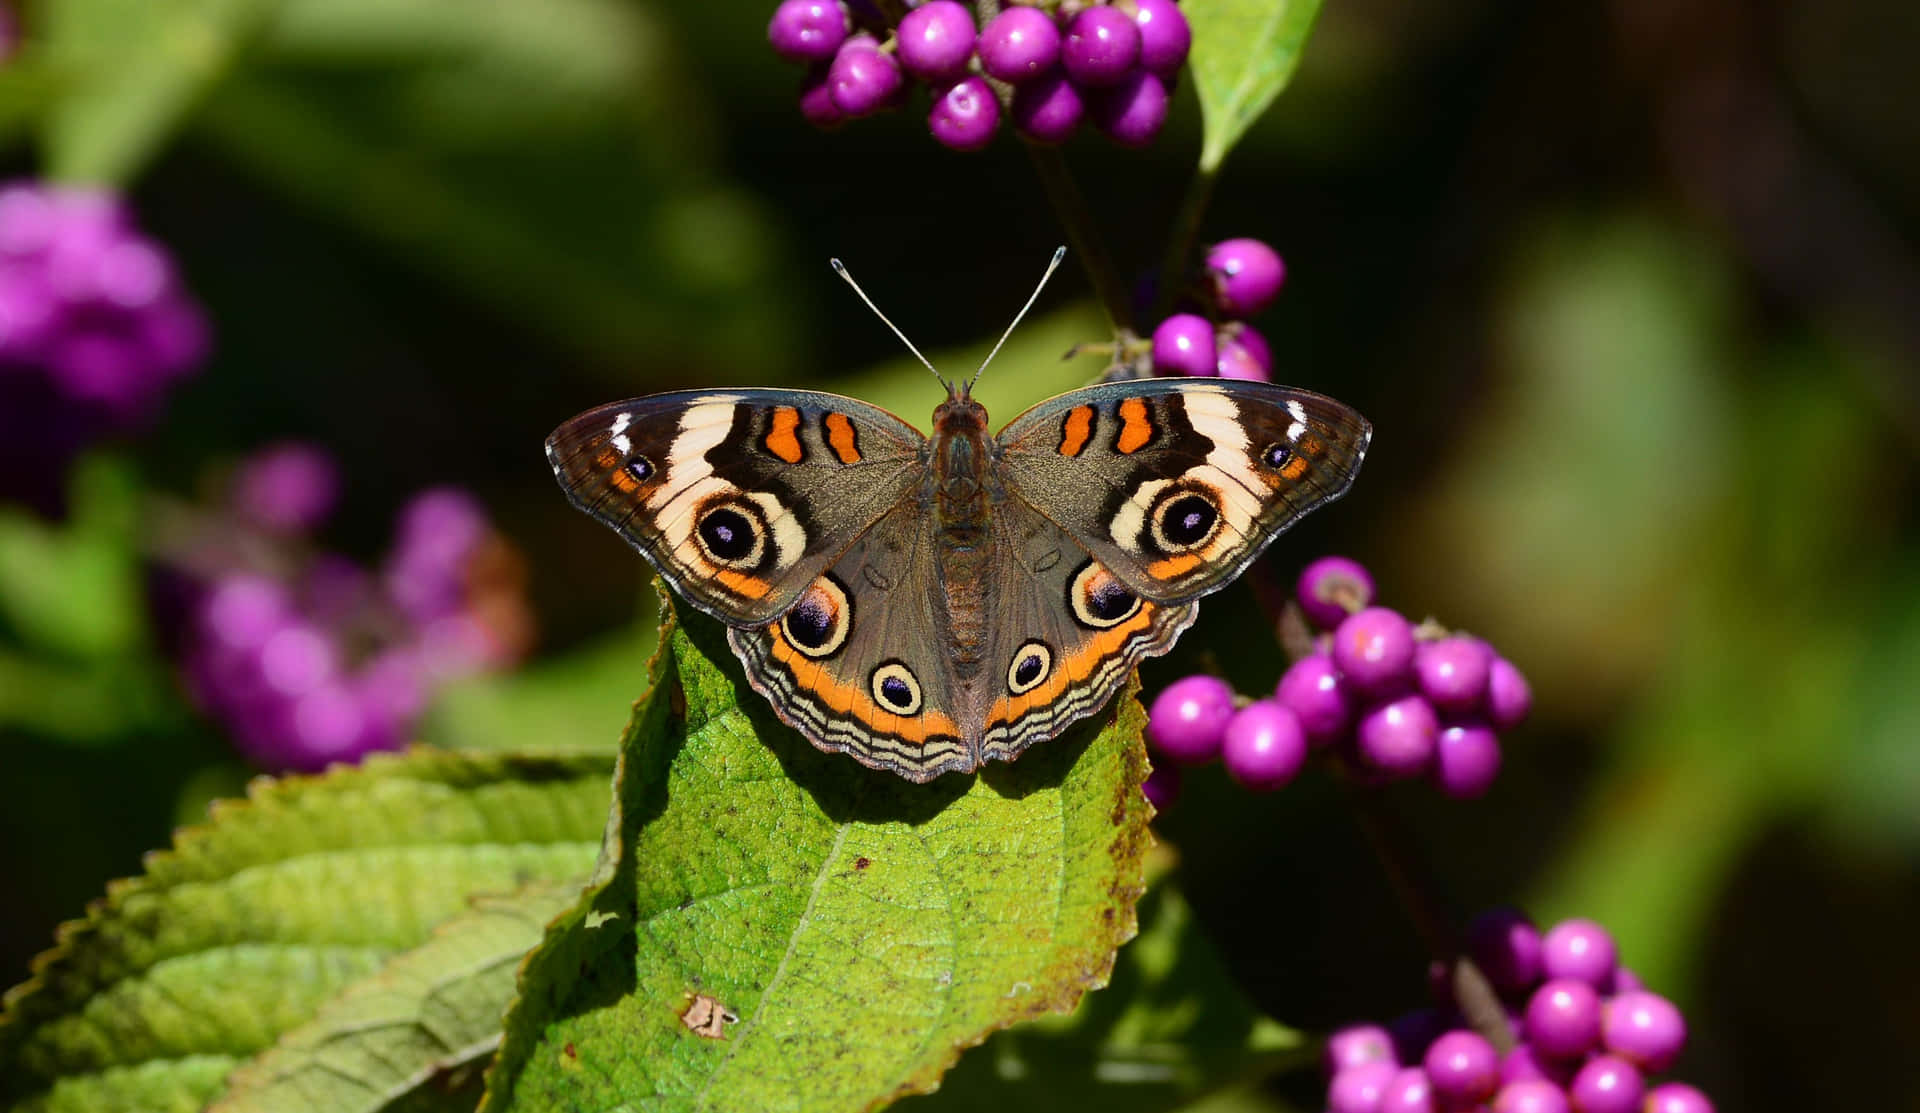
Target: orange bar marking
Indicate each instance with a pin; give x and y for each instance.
(1136, 428)
(782, 440)
(1077, 430)
(841, 438)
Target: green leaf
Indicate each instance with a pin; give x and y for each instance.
(253, 921)
(863, 930)
(132, 69)
(1170, 1029)
(1244, 53)
(428, 1013)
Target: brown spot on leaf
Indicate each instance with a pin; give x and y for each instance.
(862, 862)
(707, 1018)
(677, 700)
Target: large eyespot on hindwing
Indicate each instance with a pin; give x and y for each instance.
(1098, 600)
(1032, 664)
(895, 689)
(1184, 517)
(820, 620)
(732, 533)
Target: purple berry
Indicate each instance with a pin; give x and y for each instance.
(862, 80)
(1183, 345)
(1332, 588)
(1189, 719)
(1506, 947)
(1530, 1095)
(1312, 688)
(1466, 759)
(1398, 737)
(1019, 45)
(1252, 340)
(1643, 1028)
(1102, 46)
(1162, 787)
(936, 40)
(1374, 649)
(1237, 361)
(1246, 275)
(289, 488)
(1165, 36)
(1408, 1091)
(1359, 1088)
(1579, 949)
(965, 115)
(1624, 981)
(807, 30)
(1508, 696)
(1264, 746)
(243, 611)
(816, 102)
(1048, 108)
(1676, 1097)
(1357, 1044)
(1525, 1063)
(1131, 113)
(1607, 1085)
(1563, 1018)
(1452, 672)
(1463, 1068)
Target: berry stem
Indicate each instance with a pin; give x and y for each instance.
(1186, 230)
(1071, 207)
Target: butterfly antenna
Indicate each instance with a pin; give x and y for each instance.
(1059, 253)
(840, 269)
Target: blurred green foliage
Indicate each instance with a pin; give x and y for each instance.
(1628, 291)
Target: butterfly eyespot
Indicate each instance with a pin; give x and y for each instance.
(1276, 456)
(820, 621)
(895, 689)
(1184, 520)
(1099, 600)
(640, 468)
(732, 534)
(1031, 665)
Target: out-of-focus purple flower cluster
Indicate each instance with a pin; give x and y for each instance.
(94, 328)
(309, 658)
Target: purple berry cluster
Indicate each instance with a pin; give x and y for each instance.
(309, 658)
(1389, 699)
(1587, 1037)
(94, 328)
(1242, 278)
(1047, 67)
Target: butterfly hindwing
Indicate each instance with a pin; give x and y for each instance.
(739, 498)
(1178, 484)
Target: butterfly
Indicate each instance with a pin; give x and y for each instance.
(928, 604)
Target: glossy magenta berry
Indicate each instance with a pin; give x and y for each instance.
(1563, 1018)
(1102, 46)
(862, 79)
(1253, 340)
(1466, 760)
(1264, 746)
(807, 30)
(1579, 949)
(1356, 1044)
(935, 40)
(1237, 361)
(1189, 718)
(1246, 275)
(1452, 672)
(965, 114)
(816, 102)
(1332, 588)
(1525, 1063)
(1374, 649)
(1312, 687)
(1048, 108)
(1509, 698)
(1676, 1097)
(1398, 737)
(1358, 1088)
(1463, 1068)
(1607, 1084)
(1183, 345)
(1165, 36)
(1408, 1091)
(1132, 112)
(1019, 45)
(1506, 947)
(1643, 1028)
(1531, 1095)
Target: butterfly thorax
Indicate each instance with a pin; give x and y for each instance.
(960, 462)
